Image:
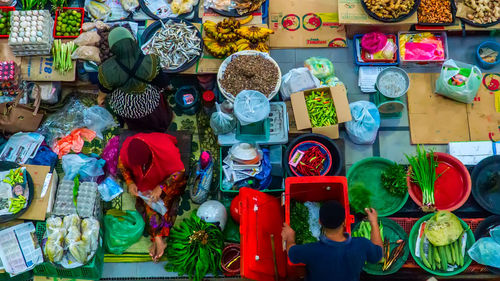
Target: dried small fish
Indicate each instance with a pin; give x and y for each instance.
(175, 43)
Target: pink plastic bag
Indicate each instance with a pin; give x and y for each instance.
(431, 50)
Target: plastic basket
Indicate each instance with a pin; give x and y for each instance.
(430, 63)
(81, 10)
(358, 53)
(20, 277)
(6, 9)
(487, 44)
(316, 189)
(91, 271)
(277, 183)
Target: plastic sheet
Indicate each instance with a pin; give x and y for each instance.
(363, 127)
(485, 251)
(320, 67)
(109, 189)
(296, 80)
(459, 81)
(251, 107)
(98, 119)
(123, 229)
(89, 168)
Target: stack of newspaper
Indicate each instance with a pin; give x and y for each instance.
(19, 249)
(368, 77)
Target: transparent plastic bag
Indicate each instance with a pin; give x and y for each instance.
(89, 168)
(264, 177)
(251, 106)
(459, 81)
(363, 127)
(123, 229)
(485, 251)
(98, 119)
(109, 189)
(320, 67)
(129, 5)
(296, 80)
(89, 38)
(98, 11)
(221, 122)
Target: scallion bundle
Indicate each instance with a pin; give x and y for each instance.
(62, 55)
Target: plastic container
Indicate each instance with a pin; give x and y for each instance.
(304, 146)
(393, 232)
(88, 199)
(277, 182)
(420, 63)
(316, 189)
(91, 271)
(484, 179)
(258, 131)
(451, 189)
(369, 172)
(337, 157)
(357, 54)
(80, 10)
(488, 44)
(364, 53)
(20, 277)
(187, 99)
(230, 260)
(6, 9)
(276, 156)
(413, 239)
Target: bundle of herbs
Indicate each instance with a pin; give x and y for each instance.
(299, 221)
(423, 172)
(394, 180)
(359, 197)
(195, 248)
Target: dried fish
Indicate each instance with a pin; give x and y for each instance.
(175, 43)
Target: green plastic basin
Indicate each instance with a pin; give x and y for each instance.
(369, 172)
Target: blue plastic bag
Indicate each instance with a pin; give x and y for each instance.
(109, 189)
(363, 127)
(264, 177)
(89, 168)
(486, 250)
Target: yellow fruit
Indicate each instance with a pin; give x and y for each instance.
(247, 20)
(254, 33)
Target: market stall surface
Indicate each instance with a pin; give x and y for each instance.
(392, 143)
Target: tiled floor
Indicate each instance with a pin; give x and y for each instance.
(393, 141)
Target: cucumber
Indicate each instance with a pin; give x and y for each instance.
(422, 254)
(430, 257)
(453, 253)
(447, 251)
(436, 256)
(461, 257)
(444, 261)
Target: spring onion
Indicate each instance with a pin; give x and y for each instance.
(28, 4)
(423, 173)
(62, 55)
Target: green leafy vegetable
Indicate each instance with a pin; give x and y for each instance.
(359, 197)
(365, 230)
(394, 180)
(299, 221)
(443, 228)
(195, 248)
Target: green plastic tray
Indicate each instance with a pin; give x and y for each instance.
(90, 271)
(413, 241)
(369, 171)
(20, 277)
(393, 232)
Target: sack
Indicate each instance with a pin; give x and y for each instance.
(251, 106)
(89, 38)
(123, 229)
(222, 123)
(20, 118)
(89, 53)
(459, 81)
(365, 122)
(296, 80)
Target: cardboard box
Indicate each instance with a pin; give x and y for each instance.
(41, 68)
(351, 12)
(41, 205)
(339, 95)
(305, 23)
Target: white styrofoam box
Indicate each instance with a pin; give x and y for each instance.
(472, 152)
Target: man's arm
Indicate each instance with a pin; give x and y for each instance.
(288, 236)
(375, 234)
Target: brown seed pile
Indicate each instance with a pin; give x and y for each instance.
(435, 11)
(250, 73)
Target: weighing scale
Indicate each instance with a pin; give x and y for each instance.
(389, 104)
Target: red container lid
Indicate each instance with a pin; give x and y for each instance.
(208, 98)
(451, 189)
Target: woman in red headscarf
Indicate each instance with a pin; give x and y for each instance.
(151, 164)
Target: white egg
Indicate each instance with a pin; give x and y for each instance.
(35, 12)
(28, 18)
(33, 33)
(13, 34)
(29, 13)
(21, 34)
(16, 18)
(33, 39)
(15, 13)
(39, 39)
(39, 27)
(24, 24)
(14, 29)
(39, 34)
(16, 23)
(27, 28)
(26, 40)
(23, 18)
(40, 23)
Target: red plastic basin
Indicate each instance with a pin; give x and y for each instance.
(451, 189)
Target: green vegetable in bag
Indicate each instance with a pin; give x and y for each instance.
(123, 229)
(321, 68)
(459, 81)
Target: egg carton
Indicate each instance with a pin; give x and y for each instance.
(31, 32)
(87, 201)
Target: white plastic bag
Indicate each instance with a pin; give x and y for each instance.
(251, 106)
(296, 80)
(158, 206)
(98, 119)
(365, 122)
(453, 71)
(221, 122)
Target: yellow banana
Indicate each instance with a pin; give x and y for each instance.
(254, 33)
(245, 21)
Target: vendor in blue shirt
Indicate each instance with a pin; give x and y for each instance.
(336, 256)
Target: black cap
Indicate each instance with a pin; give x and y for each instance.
(331, 214)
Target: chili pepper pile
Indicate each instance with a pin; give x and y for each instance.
(312, 162)
(17, 204)
(14, 176)
(321, 109)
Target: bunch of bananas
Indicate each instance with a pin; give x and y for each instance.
(229, 36)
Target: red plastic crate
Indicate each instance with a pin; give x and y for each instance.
(82, 11)
(316, 189)
(394, 59)
(6, 8)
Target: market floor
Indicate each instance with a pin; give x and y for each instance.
(393, 141)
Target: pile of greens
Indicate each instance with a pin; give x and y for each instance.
(359, 197)
(299, 222)
(394, 180)
(195, 248)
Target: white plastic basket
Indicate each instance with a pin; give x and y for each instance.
(222, 69)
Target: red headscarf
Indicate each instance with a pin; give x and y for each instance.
(165, 158)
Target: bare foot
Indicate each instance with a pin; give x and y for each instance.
(161, 245)
(152, 251)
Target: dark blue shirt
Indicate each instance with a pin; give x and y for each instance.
(328, 260)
